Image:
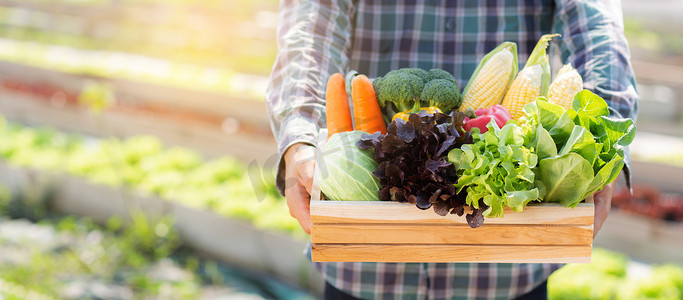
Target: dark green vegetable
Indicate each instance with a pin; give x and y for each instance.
(406, 89)
(443, 94)
(424, 75)
(497, 169)
(439, 74)
(588, 150)
(400, 88)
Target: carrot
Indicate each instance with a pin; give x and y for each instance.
(366, 113)
(337, 110)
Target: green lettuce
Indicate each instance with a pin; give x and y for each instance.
(566, 178)
(580, 150)
(498, 169)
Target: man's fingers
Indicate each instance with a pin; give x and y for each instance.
(299, 206)
(305, 166)
(306, 175)
(299, 166)
(603, 204)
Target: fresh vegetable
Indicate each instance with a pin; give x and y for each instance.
(406, 114)
(580, 149)
(143, 166)
(412, 165)
(435, 74)
(483, 117)
(337, 112)
(408, 89)
(532, 81)
(497, 169)
(491, 78)
(366, 113)
(422, 74)
(346, 172)
(442, 93)
(400, 88)
(566, 85)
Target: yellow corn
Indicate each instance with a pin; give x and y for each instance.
(491, 78)
(566, 85)
(524, 89)
(532, 81)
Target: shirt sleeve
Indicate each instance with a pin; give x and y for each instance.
(593, 42)
(313, 43)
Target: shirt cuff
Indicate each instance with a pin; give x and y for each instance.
(295, 129)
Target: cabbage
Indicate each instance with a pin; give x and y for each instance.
(346, 171)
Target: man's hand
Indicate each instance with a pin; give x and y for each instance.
(299, 166)
(603, 204)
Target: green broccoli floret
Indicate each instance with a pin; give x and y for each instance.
(443, 94)
(417, 72)
(439, 74)
(399, 88)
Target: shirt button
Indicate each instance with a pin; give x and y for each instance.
(450, 23)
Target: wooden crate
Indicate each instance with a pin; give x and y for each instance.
(383, 231)
(354, 231)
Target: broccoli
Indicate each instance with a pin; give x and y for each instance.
(424, 75)
(442, 93)
(439, 74)
(400, 88)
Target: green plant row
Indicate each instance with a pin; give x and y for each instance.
(607, 278)
(111, 64)
(143, 165)
(68, 257)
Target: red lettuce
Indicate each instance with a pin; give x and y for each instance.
(412, 165)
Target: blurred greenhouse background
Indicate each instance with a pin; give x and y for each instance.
(134, 139)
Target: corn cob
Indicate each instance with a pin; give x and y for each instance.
(566, 85)
(491, 78)
(532, 81)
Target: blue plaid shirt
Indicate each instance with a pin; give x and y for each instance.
(319, 38)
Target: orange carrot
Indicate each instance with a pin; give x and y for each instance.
(366, 113)
(337, 110)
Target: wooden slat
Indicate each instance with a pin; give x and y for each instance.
(490, 234)
(451, 253)
(336, 212)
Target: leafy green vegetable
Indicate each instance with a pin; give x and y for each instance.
(588, 150)
(346, 172)
(591, 103)
(581, 141)
(543, 143)
(566, 178)
(607, 173)
(497, 168)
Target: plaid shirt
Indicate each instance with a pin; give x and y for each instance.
(319, 38)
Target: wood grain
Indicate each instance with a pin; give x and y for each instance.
(451, 253)
(451, 234)
(366, 212)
